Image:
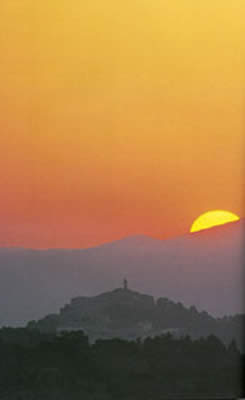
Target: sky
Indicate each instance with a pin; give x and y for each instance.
(118, 118)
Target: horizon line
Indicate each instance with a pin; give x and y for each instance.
(123, 238)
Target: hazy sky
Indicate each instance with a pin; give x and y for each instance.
(118, 117)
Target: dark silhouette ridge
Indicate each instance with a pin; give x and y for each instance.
(128, 314)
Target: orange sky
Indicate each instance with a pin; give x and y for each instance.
(118, 118)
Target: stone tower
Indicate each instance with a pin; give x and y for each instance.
(125, 284)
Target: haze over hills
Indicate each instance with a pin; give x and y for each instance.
(202, 268)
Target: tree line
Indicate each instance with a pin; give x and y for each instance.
(40, 366)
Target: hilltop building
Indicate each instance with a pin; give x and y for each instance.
(121, 312)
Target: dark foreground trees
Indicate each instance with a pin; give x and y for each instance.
(40, 366)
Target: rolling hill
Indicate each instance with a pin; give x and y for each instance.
(203, 268)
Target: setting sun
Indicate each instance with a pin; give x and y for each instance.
(213, 218)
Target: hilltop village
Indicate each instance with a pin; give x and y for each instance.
(127, 314)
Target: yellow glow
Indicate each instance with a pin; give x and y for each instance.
(213, 218)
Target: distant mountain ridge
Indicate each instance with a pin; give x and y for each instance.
(204, 269)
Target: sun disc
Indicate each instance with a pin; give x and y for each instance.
(213, 218)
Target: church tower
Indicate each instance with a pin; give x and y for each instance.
(125, 284)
